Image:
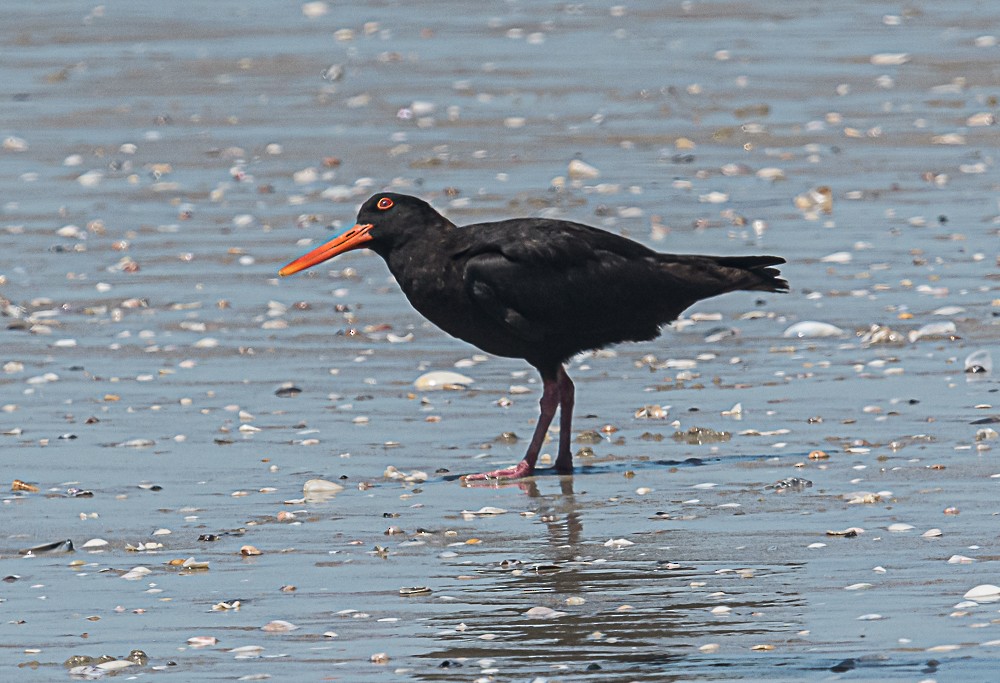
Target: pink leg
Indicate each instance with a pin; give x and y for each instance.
(567, 393)
(548, 404)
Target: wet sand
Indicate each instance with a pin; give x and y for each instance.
(160, 164)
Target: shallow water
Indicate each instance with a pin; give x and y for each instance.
(245, 154)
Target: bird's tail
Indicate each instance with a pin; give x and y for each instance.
(760, 274)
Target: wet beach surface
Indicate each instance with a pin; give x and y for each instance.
(162, 391)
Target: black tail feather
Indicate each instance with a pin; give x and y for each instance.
(768, 279)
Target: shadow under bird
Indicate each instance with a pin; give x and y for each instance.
(538, 289)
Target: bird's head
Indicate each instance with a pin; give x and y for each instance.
(386, 221)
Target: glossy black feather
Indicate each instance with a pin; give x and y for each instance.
(544, 290)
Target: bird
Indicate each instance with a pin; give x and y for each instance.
(539, 289)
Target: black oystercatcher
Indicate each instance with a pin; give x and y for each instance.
(538, 289)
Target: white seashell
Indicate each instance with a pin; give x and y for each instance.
(314, 10)
(960, 559)
(305, 176)
(279, 626)
(838, 257)
(618, 543)
(944, 648)
(202, 641)
(137, 443)
(582, 170)
(933, 330)
(321, 486)
(442, 379)
(857, 586)
(486, 510)
(900, 527)
(986, 592)
(889, 59)
(115, 665)
(422, 108)
(771, 173)
(541, 612)
(15, 144)
(932, 533)
(948, 139)
(713, 198)
(981, 119)
(136, 573)
(735, 411)
(90, 178)
(95, 543)
(810, 329)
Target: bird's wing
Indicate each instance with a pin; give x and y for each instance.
(545, 279)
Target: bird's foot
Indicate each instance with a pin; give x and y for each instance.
(518, 471)
(564, 465)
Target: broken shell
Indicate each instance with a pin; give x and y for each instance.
(850, 532)
(652, 412)
(54, 547)
(814, 200)
(408, 591)
(881, 334)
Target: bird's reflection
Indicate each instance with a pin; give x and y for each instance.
(568, 605)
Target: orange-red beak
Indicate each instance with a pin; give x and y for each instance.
(354, 238)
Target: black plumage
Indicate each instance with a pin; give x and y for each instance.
(538, 289)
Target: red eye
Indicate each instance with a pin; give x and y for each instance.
(384, 203)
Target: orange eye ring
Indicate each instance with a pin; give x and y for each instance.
(385, 203)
